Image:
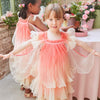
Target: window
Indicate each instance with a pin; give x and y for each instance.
(8, 5)
(5, 5)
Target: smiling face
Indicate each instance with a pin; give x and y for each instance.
(53, 22)
(54, 16)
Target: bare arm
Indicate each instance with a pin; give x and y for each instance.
(38, 23)
(22, 47)
(17, 50)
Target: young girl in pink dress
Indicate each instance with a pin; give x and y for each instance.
(49, 62)
(22, 32)
(27, 19)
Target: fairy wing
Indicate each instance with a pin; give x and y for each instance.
(81, 63)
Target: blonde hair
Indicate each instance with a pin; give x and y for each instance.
(59, 11)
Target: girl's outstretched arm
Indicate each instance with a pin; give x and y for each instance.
(86, 47)
(17, 50)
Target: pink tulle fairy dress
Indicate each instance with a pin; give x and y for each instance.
(52, 65)
(55, 73)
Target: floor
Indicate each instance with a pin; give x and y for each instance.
(9, 90)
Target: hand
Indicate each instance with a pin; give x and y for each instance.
(97, 54)
(5, 56)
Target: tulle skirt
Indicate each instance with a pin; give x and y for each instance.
(54, 77)
(47, 70)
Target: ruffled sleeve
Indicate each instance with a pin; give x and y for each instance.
(37, 35)
(80, 63)
(34, 35)
(71, 42)
(71, 39)
(37, 39)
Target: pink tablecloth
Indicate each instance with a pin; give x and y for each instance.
(88, 86)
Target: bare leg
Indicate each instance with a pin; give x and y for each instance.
(22, 87)
(28, 92)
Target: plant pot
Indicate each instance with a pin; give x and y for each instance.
(81, 34)
(89, 23)
(5, 47)
(77, 24)
(71, 21)
(97, 20)
(3, 25)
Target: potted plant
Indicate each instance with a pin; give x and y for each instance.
(10, 19)
(74, 12)
(89, 14)
(75, 9)
(69, 18)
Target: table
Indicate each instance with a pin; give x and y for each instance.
(87, 86)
